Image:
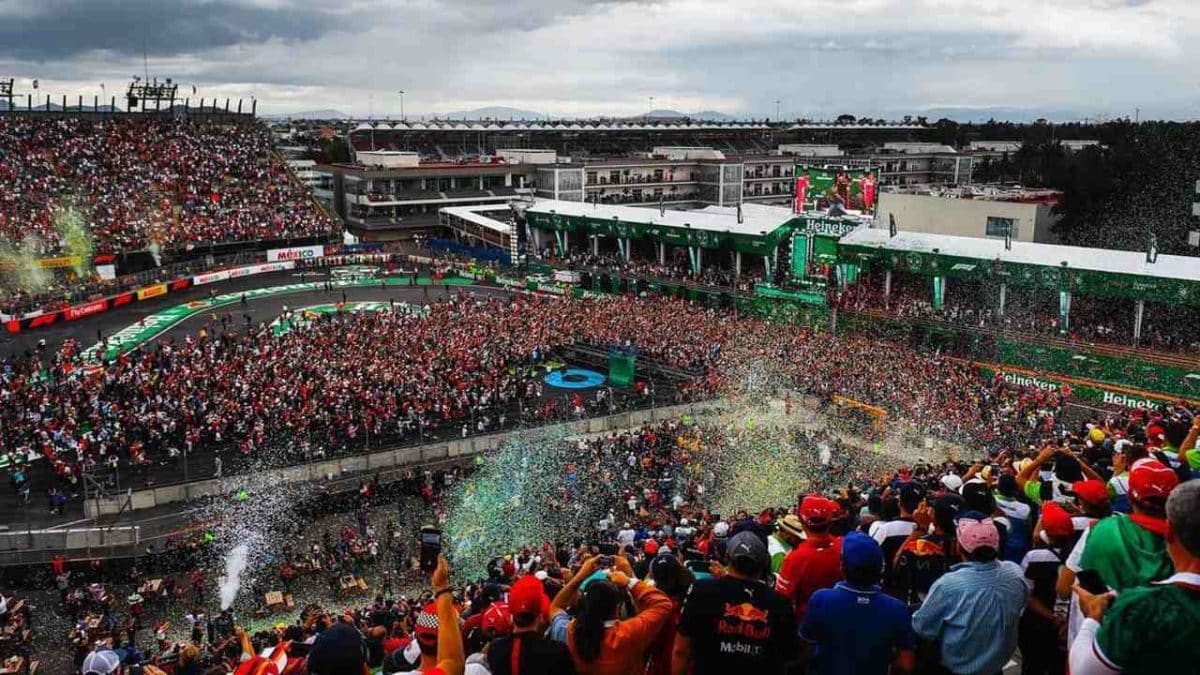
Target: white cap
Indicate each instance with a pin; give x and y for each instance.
(101, 662)
(721, 529)
(952, 482)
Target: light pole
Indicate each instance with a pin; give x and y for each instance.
(776, 110)
(402, 118)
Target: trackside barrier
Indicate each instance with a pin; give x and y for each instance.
(443, 450)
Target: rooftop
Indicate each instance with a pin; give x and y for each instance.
(1049, 255)
(757, 219)
(478, 215)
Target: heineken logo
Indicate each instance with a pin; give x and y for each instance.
(1028, 381)
(830, 228)
(1129, 401)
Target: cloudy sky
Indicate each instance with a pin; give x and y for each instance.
(575, 57)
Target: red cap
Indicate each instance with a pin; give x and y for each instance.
(818, 510)
(497, 620)
(1056, 521)
(427, 624)
(1150, 479)
(650, 547)
(1091, 491)
(528, 597)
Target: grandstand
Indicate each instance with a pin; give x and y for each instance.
(446, 140)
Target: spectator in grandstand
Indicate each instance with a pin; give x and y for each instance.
(527, 650)
(816, 562)
(1041, 632)
(1130, 550)
(927, 555)
(1154, 628)
(892, 532)
(735, 622)
(788, 533)
(971, 613)
(854, 627)
(599, 640)
(141, 182)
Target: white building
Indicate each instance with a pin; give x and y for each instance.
(1028, 221)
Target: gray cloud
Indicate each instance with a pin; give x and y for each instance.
(56, 29)
(576, 57)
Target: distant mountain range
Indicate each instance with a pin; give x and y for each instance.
(326, 114)
(494, 112)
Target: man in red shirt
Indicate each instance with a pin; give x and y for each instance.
(817, 562)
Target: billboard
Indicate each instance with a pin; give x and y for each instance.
(822, 188)
(296, 253)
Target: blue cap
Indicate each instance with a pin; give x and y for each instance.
(860, 551)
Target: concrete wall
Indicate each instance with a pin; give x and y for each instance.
(384, 459)
(956, 217)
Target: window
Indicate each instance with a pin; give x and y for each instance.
(999, 227)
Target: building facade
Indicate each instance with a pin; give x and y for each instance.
(1027, 221)
(388, 203)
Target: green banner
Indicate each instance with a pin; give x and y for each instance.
(1050, 277)
(1085, 392)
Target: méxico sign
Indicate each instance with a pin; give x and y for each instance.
(296, 253)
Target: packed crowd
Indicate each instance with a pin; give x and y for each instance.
(1093, 320)
(337, 382)
(146, 181)
(675, 269)
(1077, 551)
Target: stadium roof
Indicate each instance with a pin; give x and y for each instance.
(757, 219)
(1176, 267)
(580, 126)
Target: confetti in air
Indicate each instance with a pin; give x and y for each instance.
(235, 564)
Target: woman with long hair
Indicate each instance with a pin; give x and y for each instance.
(600, 641)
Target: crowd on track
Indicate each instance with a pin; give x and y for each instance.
(338, 381)
(1079, 549)
(138, 182)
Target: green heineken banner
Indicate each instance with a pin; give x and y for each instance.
(1086, 392)
(1053, 277)
(821, 187)
(939, 293)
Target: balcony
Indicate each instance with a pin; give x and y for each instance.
(642, 179)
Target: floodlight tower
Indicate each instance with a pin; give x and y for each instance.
(6, 92)
(143, 92)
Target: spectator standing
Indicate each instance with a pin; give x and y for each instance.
(971, 613)
(527, 651)
(854, 627)
(1041, 633)
(1130, 550)
(1155, 628)
(787, 535)
(600, 642)
(734, 623)
(817, 561)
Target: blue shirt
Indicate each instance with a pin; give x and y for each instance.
(972, 613)
(856, 630)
